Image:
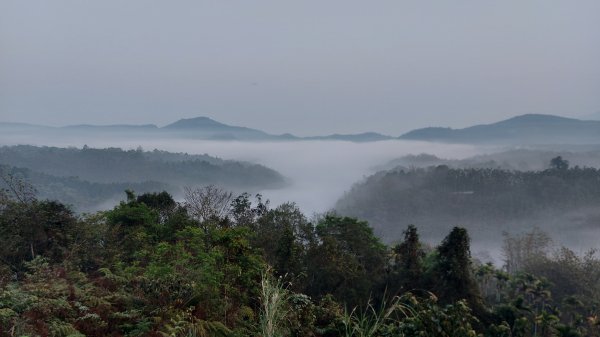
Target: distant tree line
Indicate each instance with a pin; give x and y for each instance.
(480, 199)
(87, 177)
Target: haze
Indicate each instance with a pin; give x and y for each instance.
(319, 172)
(307, 67)
(299, 168)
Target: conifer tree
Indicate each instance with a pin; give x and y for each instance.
(453, 272)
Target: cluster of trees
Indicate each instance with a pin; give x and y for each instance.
(481, 199)
(531, 159)
(88, 177)
(219, 265)
(82, 195)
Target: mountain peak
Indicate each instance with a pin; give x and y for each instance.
(195, 123)
(523, 129)
(538, 118)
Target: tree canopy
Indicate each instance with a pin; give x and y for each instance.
(151, 266)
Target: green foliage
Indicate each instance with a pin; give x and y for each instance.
(348, 261)
(150, 267)
(431, 320)
(409, 315)
(162, 202)
(35, 228)
(184, 324)
(406, 272)
(372, 322)
(453, 275)
(285, 235)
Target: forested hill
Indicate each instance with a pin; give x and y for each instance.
(82, 177)
(520, 159)
(486, 201)
(525, 129)
(80, 194)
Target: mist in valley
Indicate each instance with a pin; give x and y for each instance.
(318, 174)
(299, 169)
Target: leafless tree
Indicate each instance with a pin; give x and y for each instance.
(208, 202)
(521, 249)
(14, 188)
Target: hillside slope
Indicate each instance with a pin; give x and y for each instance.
(525, 129)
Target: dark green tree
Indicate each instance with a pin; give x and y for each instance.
(407, 270)
(348, 262)
(244, 213)
(558, 163)
(163, 202)
(133, 225)
(284, 235)
(453, 278)
(37, 228)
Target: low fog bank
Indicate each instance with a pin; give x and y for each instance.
(319, 172)
(86, 178)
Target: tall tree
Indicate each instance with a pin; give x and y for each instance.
(558, 163)
(284, 235)
(406, 272)
(349, 261)
(453, 272)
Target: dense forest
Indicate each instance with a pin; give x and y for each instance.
(225, 265)
(484, 200)
(519, 159)
(87, 177)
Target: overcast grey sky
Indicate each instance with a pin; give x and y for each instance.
(306, 67)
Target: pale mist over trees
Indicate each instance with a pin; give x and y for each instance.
(487, 201)
(299, 169)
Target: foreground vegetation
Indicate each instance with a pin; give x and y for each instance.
(219, 265)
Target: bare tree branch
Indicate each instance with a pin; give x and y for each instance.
(208, 202)
(15, 188)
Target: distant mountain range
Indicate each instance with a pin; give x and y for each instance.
(524, 129)
(194, 128)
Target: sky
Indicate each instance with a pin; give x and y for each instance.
(305, 67)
